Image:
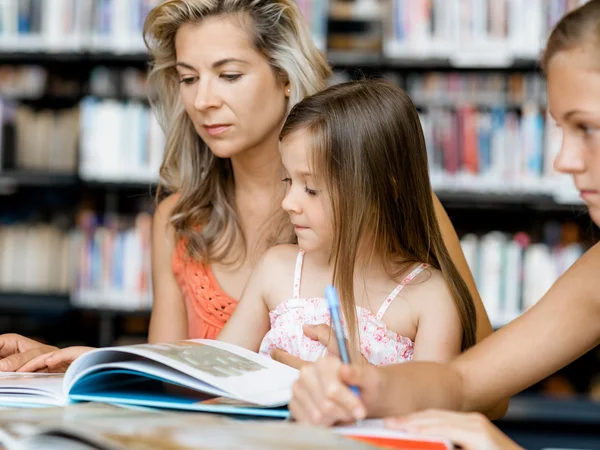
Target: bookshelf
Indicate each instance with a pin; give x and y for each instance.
(434, 49)
(475, 82)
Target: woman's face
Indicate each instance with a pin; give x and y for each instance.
(574, 102)
(229, 91)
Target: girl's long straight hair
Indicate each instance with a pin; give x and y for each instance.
(369, 152)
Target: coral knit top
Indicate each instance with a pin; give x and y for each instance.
(208, 307)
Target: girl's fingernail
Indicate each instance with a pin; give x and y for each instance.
(358, 413)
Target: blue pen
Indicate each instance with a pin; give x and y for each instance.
(333, 302)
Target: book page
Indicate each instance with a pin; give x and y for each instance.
(31, 388)
(237, 372)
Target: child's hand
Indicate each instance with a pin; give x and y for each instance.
(17, 350)
(469, 430)
(289, 360)
(56, 361)
(321, 333)
(321, 395)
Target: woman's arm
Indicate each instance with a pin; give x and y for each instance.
(484, 327)
(562, 326)
(168, 322)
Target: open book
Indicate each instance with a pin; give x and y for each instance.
(96, 426)
(195, 375)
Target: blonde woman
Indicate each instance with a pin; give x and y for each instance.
(225, 73)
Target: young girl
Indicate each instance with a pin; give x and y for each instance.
(562, 326)
(358, 195)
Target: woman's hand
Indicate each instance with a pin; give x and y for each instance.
(322, 396)
(55, 361)
(472, 431)
(16, 351)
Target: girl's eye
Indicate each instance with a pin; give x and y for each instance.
(587, 129)
(309, 191)
(187, 80)
(287, 180)
(231, 76)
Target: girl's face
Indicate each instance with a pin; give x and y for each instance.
(574, 102)
(228, 89)
(305, 200)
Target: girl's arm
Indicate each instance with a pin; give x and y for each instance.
(168, 322)
(439, 331)
(484, 327)
(250, 321)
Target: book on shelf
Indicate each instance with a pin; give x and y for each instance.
(108, 427)
(487, 133)
(193, 375)
(38, 140)
(111, 262)
(119, 141)
(473, 33)
(73, 25)
(34, 258)
(315, 13)
(512, 273)
(113, 26)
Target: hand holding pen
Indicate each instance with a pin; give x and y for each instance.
(327, 391)
(333, 302)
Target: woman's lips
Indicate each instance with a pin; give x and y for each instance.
(217, 129)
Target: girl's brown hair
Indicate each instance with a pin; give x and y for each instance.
(203, 181)
(579, 28)
(367, 139)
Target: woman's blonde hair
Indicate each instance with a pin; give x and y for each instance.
(579, 28)
(205, 213)
(366, 136)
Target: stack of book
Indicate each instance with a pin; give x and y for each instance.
(73, 25)
(111, 263)
(512, 273)
(471, 32)
(120, 141)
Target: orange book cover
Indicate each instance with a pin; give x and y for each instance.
(374, 433)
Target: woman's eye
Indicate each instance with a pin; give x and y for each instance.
(187, 80)
(231, 76)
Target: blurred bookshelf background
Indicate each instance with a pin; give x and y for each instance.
(80, 152)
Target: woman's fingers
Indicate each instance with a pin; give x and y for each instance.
(469, 430)
(36, 364)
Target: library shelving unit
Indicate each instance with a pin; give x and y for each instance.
(69, 191)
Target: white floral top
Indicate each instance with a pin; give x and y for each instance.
(379, 345)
